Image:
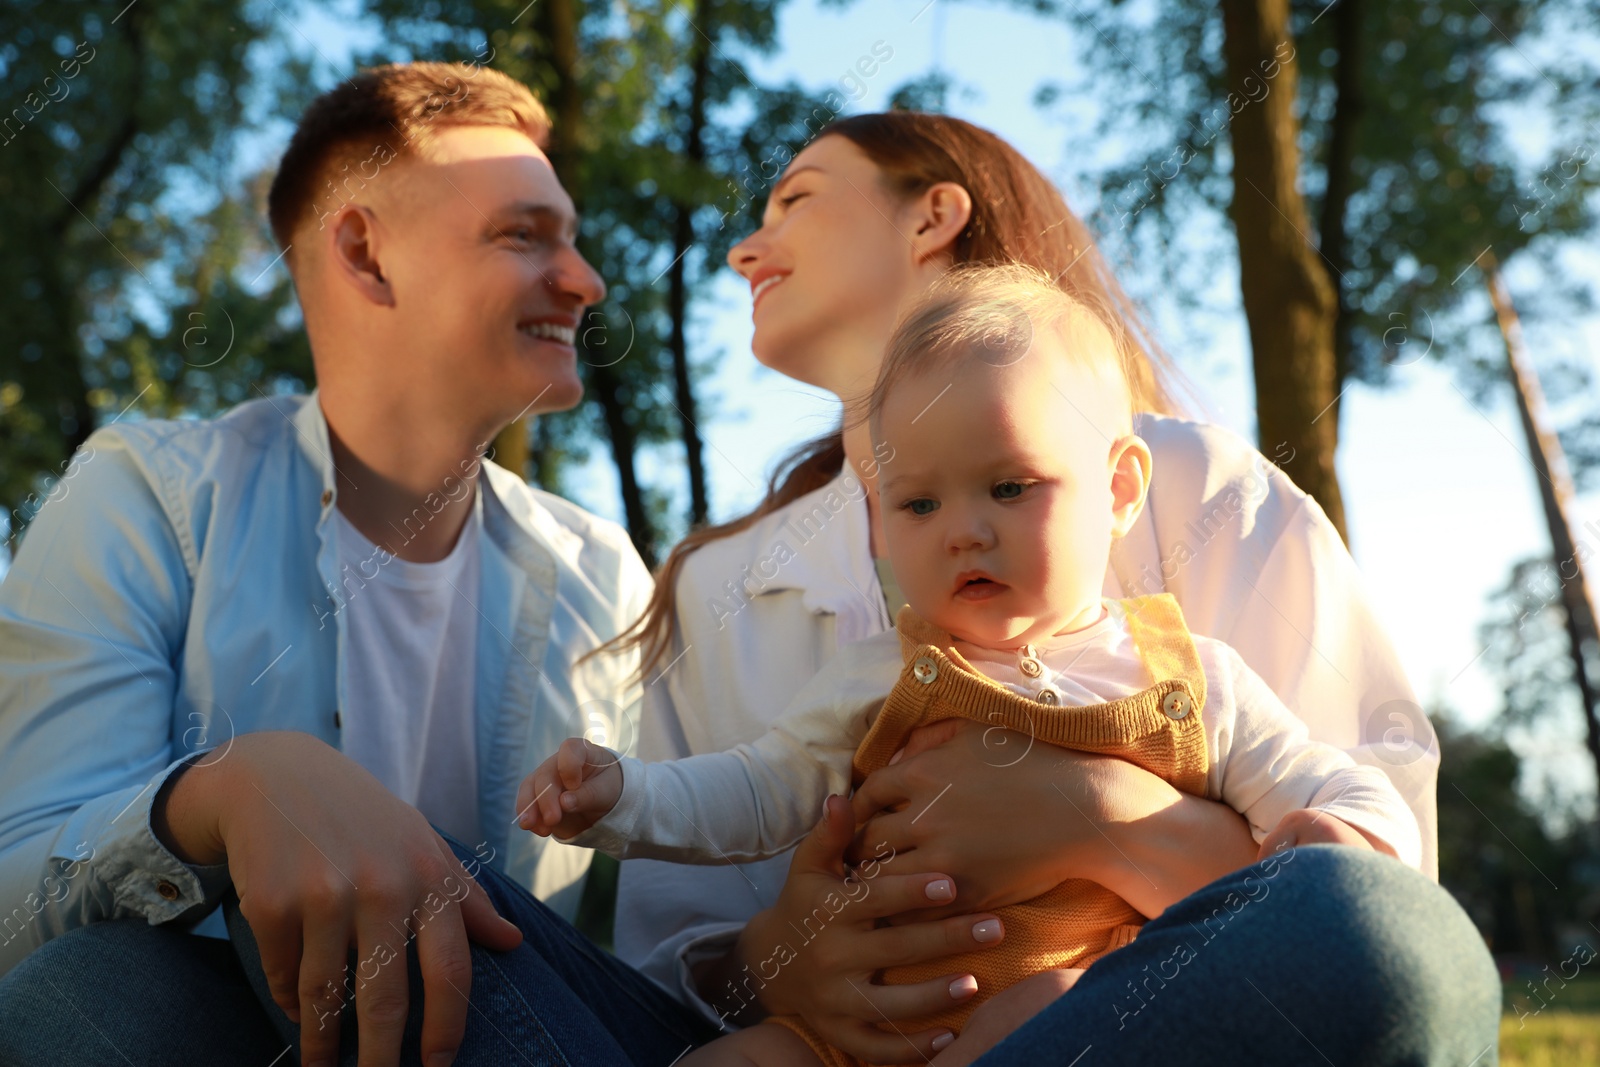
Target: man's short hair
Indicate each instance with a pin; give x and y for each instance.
(350, 133)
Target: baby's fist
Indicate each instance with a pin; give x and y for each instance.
(570, 791)
(1308, 826)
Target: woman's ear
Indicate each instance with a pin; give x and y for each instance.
(936, 218)
(354, 250)
(1131, 465)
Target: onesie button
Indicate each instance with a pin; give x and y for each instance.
(924, 670)
(1176, 704)
(1049, 696)
(1031, 667)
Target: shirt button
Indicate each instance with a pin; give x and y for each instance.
(1176, 704)
(327, 497)
(338, 723)
(925, 670)
(167, 890)
(1049, 696)
(1031, 667)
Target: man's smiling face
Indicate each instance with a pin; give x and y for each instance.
(487, 281)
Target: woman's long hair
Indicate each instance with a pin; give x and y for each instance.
(1018, 216)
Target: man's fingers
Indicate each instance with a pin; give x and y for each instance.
(383, 995)
(323, 986)
(483, 924)
(278, 939)
(445, 958)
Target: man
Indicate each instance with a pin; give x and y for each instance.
(362, 627)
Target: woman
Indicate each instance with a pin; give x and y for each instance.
(863, 219)
(1341, 949)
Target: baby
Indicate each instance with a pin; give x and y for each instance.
(1008, 408)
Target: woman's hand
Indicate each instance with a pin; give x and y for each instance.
(1011, 817)
(1002, 1013)
(813, 954)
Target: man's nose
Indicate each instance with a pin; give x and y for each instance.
(575, 277)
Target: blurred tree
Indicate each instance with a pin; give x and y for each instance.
(1405, 157)
(1518, 877)
(123, 279)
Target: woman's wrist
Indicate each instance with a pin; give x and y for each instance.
(1155, 861)
(722, 982)
(182, 815)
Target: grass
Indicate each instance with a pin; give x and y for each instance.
(1565, 1031)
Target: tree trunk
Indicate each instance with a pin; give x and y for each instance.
(560, 30)
(1349, 104)
(1555, 492)
(678, 292)
(1288, 300)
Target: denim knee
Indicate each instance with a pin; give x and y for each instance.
(1404, 961)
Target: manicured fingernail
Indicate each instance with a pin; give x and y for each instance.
(941, 890)
(943, 1041)
(963, 987)
(988, 930)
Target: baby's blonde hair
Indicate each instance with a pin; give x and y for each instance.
(993, 313)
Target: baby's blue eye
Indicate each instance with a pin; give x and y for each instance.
(1008, 490)
(921, 506)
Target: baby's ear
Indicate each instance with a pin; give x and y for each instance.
(1131, 465)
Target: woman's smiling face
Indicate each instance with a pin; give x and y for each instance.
(831, 264)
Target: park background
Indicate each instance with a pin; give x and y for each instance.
(1424, 142)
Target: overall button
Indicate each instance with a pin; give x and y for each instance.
(1031, 667)
(1176, 704)
(1049, 696)
(925, 670)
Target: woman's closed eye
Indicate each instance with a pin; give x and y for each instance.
(786, 201)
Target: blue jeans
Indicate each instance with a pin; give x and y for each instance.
(1323, 954)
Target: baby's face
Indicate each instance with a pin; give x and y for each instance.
(1006, 489)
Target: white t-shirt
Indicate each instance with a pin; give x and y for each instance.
(757, 800)
(411, 635)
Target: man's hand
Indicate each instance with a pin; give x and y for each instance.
(327, 861)
(1308, 826)
(570, 791)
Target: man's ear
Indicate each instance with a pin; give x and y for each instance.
(935, 219)
(1131, 465)
(354, 248)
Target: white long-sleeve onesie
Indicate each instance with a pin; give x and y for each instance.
(758, 799)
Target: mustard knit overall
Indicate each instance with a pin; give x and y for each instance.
(1159, 729)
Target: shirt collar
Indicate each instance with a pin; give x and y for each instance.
(821, 546)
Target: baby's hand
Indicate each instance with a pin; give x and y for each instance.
(570, 791)
(1308, 826)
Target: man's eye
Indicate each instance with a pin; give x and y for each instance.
(921, 506)
(1009, 490)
